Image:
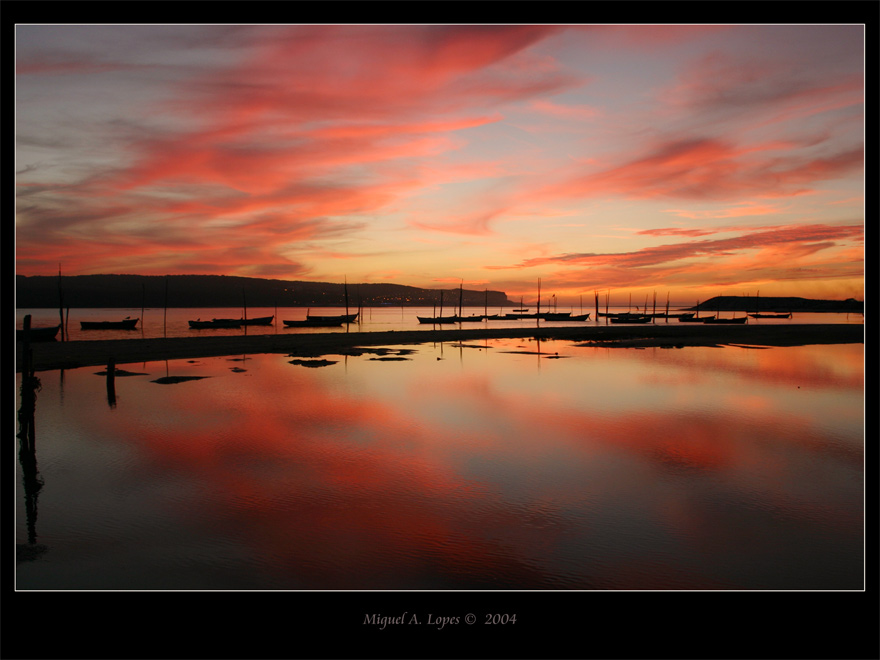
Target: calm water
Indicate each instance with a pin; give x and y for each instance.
(174, 323)
(502, 464)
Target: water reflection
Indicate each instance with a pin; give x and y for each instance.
(32, 482)
(505, 468)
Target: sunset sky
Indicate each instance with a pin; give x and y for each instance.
(695, 160)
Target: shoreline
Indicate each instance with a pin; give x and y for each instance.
(49, 356)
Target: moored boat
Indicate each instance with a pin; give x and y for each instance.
(39, 334)
(771, 316)
(630, 318)
(125, 324)
(259, 320)
(198, 324)
(313, 323)
(437, 319)
(341, 318)
(739, 319)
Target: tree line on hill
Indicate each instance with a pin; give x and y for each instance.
(88, 291)
(778, 304)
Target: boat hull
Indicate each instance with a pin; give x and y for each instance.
(342, 318)
(719, 321)
(39, 334)
(312, 323)
(201, 325)
(771, 316)
(126, 324)
(260, 320)
(630, 319)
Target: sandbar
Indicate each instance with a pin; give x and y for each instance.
(68, 355)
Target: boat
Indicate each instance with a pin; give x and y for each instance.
(437, 319)
(125, 324)
(740, 319)
(341, 318)
(579, 317)
(695, 317)
(771, 316)
(39, 334)
(215, 323)
(313, 323)
(630, 318)
(555, 316)
(260, 320)
(675, 315)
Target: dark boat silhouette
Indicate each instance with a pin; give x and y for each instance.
(215, 323)
(720, 319)
(341, 318)
(39, 334)
(260, 320)
(125, 324)
(317, 322)
(771, 316)
(630, 318)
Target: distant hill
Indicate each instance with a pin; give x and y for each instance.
(777, 304)
(229, 291)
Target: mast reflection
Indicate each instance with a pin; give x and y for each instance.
(27, 456)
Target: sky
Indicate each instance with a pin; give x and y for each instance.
(686, 160)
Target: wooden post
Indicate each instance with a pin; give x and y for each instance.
(26, 348)
(538, 314)
(244, 302)
(165, 312)
(60, 302)
(111, 382)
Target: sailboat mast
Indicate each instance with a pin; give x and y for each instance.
(539, 296)
(460, 297)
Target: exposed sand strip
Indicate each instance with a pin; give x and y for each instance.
(68, 355)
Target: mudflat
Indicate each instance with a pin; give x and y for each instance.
(69, 355)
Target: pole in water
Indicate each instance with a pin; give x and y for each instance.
(165, 313)
(61, 303)
(111, 382)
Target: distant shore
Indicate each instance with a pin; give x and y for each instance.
(73, 354)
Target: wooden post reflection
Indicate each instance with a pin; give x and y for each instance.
(27, 453)
(111, 382)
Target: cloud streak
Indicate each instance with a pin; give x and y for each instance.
(236, 147)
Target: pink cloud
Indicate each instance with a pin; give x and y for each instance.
(663, 254)
(707, 168)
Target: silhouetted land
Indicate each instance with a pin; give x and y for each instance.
(67, 355)
(778, 304)
(41, 291)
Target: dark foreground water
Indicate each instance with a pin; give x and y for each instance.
(495, 465)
